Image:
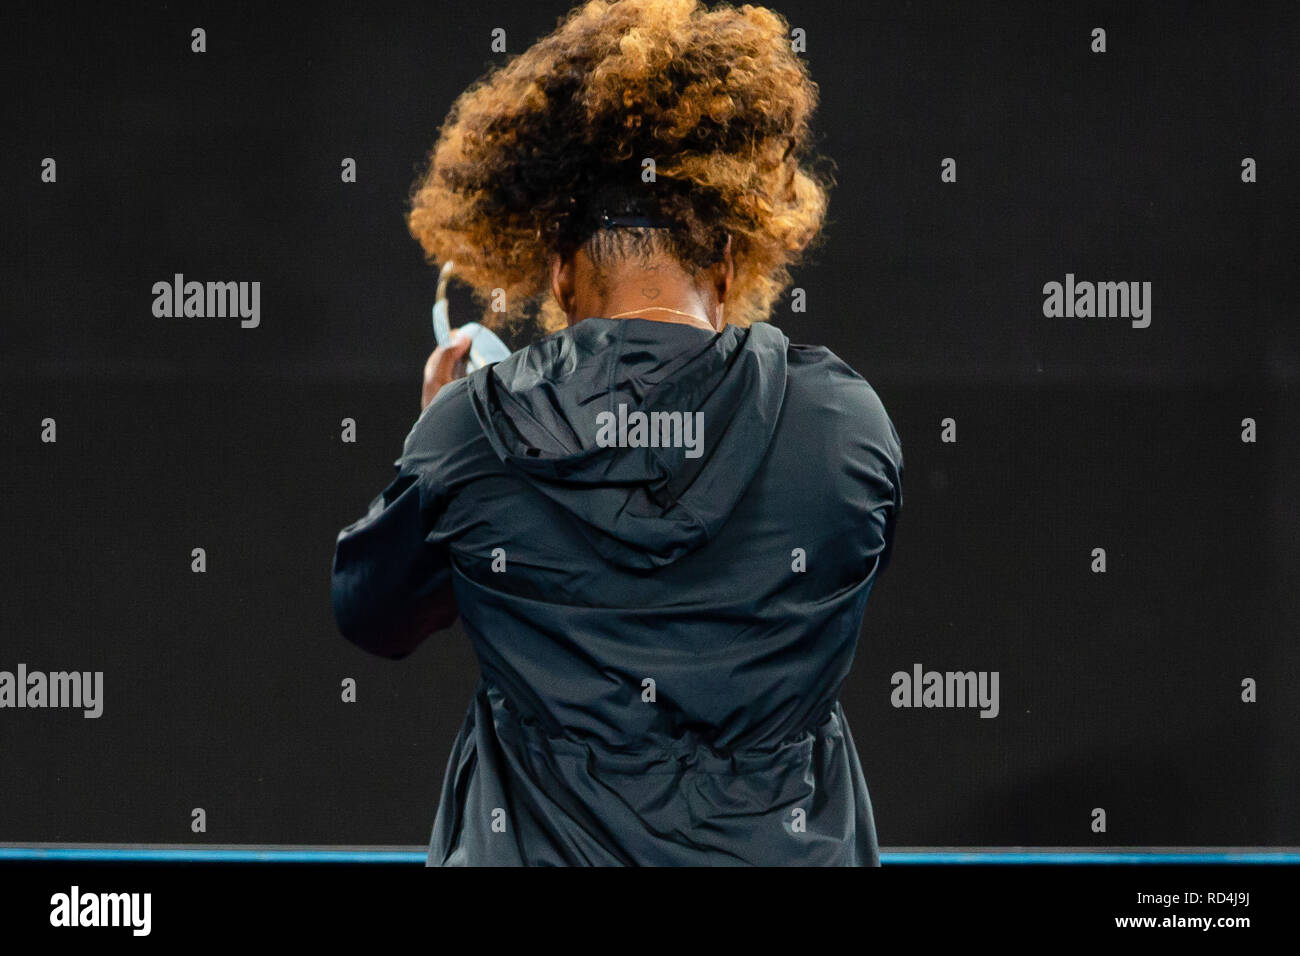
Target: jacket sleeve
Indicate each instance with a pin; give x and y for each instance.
(895, 473)
(874, 473)
(390, 587)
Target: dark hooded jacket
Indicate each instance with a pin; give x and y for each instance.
(662, 631)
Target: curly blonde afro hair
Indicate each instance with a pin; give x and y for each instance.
(533, 154)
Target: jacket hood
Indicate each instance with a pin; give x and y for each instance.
(647, 433)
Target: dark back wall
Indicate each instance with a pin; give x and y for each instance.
(222, 690)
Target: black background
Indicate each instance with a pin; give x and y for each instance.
(222, 690)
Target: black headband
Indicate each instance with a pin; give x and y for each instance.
(634, 222)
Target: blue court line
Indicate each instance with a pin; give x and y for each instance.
(268, 855)
(200, 854)
(1103, 858)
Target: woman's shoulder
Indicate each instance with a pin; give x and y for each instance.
(816, 366)
(446, 430)
(834, 395)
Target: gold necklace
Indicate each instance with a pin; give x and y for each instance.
(662, 308)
